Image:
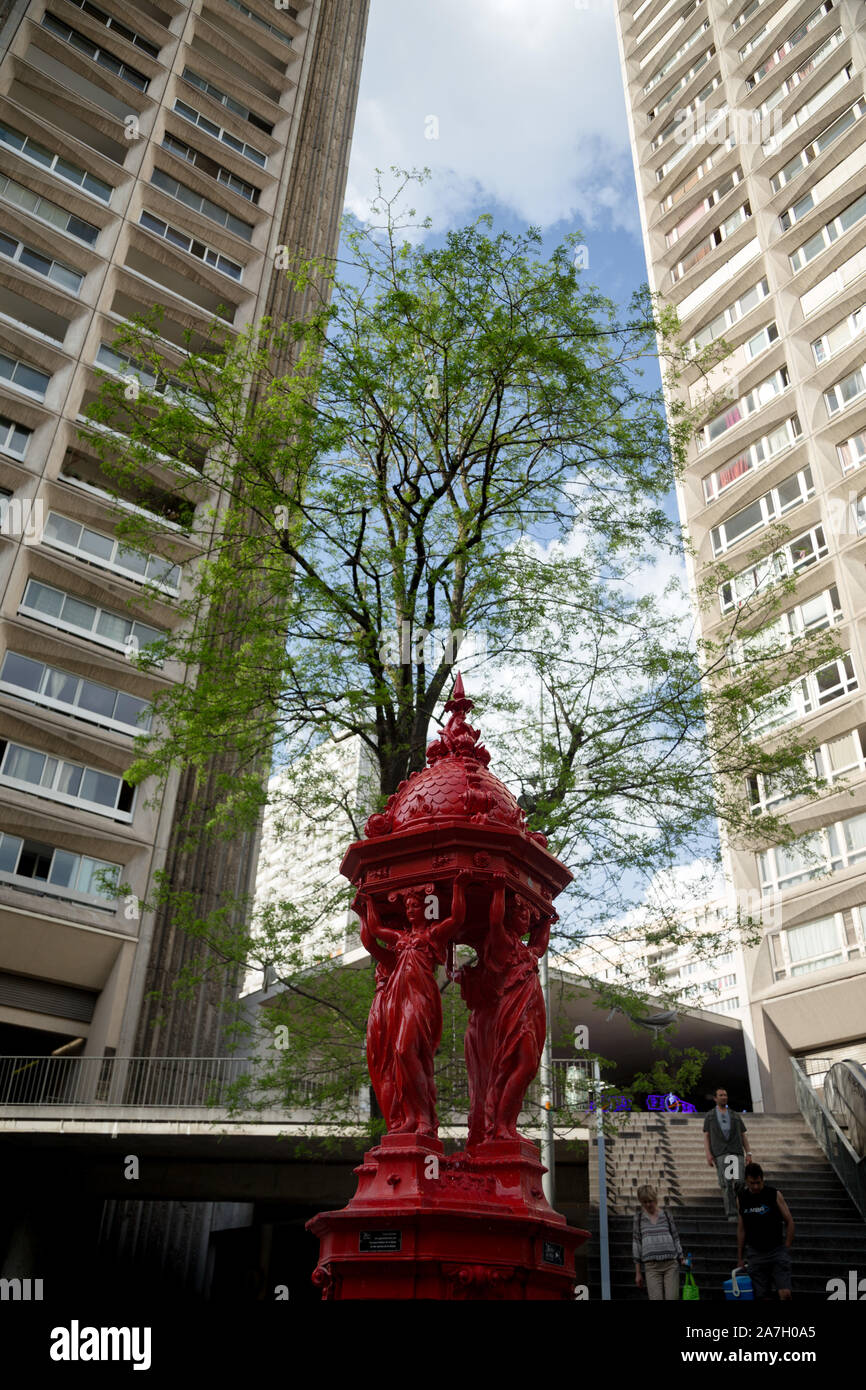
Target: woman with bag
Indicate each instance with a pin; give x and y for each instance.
(656, 1246)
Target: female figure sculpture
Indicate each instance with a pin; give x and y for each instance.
(517, 1023)
(407, 1024)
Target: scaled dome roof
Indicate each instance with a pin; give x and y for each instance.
(455, 785)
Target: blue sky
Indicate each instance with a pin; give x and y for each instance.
(530, 121)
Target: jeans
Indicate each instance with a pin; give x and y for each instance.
(662, 1279)
(729, 1185)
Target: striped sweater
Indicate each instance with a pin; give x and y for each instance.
(654, 1240)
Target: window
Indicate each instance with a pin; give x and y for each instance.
(28, 148)
(123, 366)
(825, 765)
(62, 275)
(111, 23)
(701, 209)
(676, 121)
(840, 335)
(23, 377)
(718, 326)
(740, 410)
(671, 63)
(849, 389)
(194, 117)
(812, 615)
(816, 945)
(797, 555)
(785, 88)
(803, 113)
(198, 203)
(263, 23)
(683, 82)
(14, 438)
(105, 59)
(758, 37)
(97, 549)
(852, 452)
(57, 871)
(710, 242)
(46, 211)
(61, 690)
(854, 213)
(790, 43)
(97, 624)
(724, 1006)
(236, 107)
(210, 167)
(768, 447)
(745, 15)
(804, 696)
(193, 247)
(60, 780)
(793, 491)
(710, 127)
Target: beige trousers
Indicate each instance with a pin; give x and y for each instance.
(662, 1279)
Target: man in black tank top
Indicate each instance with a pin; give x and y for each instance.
(765, 1231)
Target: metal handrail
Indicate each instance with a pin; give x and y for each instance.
(845, 1098)
(850, 1169)
(192, 1082)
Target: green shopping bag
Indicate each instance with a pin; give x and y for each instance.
(690, 1288)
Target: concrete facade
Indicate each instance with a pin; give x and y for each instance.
(157, 154)
(748, 128)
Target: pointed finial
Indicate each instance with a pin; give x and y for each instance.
(459, 703)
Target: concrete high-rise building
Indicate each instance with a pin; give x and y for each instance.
(748, 130)
(149, 154)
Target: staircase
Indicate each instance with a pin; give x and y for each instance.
(668, 1151)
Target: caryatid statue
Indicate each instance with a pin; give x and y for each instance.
(404, 1027)
(454, 822)
(507, 1027)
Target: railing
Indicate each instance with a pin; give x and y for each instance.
(238, 1083)
(845, 1098)
(850, 1169)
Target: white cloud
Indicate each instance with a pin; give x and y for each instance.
(529, 103)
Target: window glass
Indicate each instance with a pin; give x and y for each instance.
(43, 599)
(112, 627)
(60, 685)
(99, 787)
(24, 764)
(69, 781)
(10, 848)
(63, 869)
(132, 711)
(77, 612)
(814, 939)
(93, 543)
(97, 699)
(744, 521)
(60, 528)
(22, 671)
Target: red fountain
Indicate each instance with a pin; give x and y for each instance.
(475, 1224)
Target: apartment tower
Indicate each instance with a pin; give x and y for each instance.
(748, 129)
(155, 153)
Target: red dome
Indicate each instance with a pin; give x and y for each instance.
(455, 785)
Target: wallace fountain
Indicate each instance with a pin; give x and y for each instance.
(474, 1224)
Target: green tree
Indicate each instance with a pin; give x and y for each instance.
(464, 467)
